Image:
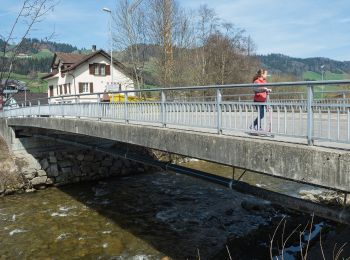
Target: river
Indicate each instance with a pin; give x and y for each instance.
(144, 216)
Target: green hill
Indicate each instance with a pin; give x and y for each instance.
(311, 75)
(305, 69)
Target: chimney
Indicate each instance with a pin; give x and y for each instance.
(93, 48)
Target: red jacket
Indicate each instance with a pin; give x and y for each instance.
(260, 93)
(260, 80)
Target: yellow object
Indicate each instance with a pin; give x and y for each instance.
(116, 98)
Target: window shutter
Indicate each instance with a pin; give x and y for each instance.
(91, 88)
(108, 70)
(51, 91)
(92, 69)
(80, 87)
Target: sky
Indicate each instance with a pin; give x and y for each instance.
(298, 28)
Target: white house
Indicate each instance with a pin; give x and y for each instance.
(86, 73)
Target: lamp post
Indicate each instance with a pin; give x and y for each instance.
(111, 39)
(322, 73)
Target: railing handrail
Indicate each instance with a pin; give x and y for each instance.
(342, 119)
(212, 87)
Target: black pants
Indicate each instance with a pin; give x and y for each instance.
(261, 109)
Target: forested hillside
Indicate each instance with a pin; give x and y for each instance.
(36, 55)
(33, 46)
(279, 63)
(33, 58)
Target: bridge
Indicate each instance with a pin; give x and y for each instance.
(304, 140)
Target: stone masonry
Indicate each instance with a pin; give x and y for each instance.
(58, 168)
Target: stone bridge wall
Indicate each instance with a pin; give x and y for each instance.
(42, 169)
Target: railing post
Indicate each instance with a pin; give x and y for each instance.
(62, 107)
(126, 107)
(310, 117)
(38, 108)
(78, 107)
(218, 110)
(99, 116)
(162, 111)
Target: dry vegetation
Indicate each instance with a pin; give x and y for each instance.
(193, 47)
(10, 179)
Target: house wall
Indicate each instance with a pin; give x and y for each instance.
(82, 75)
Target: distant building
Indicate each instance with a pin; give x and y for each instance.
(12, 86)
(25, 99)
(86, 74)
(23, 56)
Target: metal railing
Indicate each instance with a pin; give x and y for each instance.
(313, 119)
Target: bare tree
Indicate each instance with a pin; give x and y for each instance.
(188, 49)
(130, 35)
(30, 13)
(161, 24)
(207, 24)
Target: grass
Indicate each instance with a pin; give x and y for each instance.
(310, 75)
(44, 53)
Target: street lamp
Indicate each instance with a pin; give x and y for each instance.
(111, 39)
(322, 73)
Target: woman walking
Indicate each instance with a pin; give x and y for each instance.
(260, 96)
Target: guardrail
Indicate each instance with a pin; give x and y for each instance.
(309, 118)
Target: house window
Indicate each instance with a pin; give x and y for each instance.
(102, 69)
(86, 87)
(99, 69)
(61, 92)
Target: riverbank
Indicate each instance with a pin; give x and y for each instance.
(11, 181)
(23, 171)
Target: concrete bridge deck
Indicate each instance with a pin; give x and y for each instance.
(323, 166)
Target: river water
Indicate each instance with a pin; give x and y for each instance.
(144, 216)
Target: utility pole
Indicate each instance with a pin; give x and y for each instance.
(111, 41)
(322, 75)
